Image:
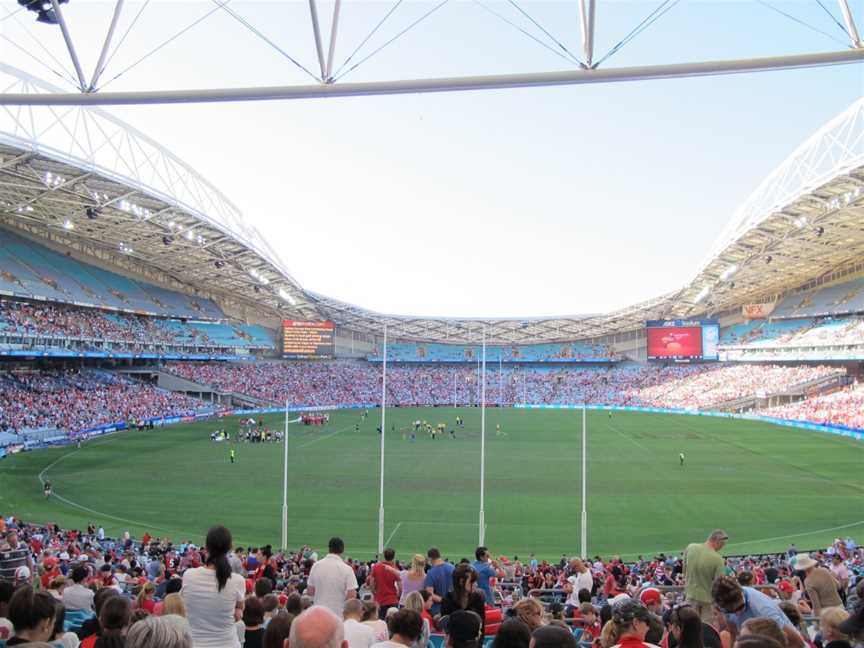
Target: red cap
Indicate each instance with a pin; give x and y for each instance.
(785, 586)
(283, 600)
(650, 595)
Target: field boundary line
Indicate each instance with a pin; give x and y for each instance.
(387, 541)
(629, 438)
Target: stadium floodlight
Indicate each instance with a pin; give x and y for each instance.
(52, 180)
(43, 9)
(702, 295)
(190, 235)
(68, 225)
(728, 272)
(800, 222)
(284, 294)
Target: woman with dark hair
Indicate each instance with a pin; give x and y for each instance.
(214, 595)
(686, 626)
(113, 622)
(32, 613)
(464, 596)
(631, 621)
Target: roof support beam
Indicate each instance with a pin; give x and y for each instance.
(587, 15)
(100, 65)
(316, 32)
(328, 73)
(455, 84)
(850, 23)
(82, 84)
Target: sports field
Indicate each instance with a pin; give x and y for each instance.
(766, 485)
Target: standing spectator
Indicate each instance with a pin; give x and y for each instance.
(357, 634)
(581, 579)
(742, 603)
(841, 573)
(406, 627)
(464, 595)
(385, 582)
(413, 579)
(820, 584)
(32, 614)
(331, 580)
(486, 569)
(13, 555)
(213, 594)
(439, 579)
(317, 627)
(702, 565)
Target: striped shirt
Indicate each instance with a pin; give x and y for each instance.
(12, 559)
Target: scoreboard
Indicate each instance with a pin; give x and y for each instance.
(683, 340)
(307, 340)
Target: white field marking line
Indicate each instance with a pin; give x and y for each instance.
(85, 508)
(387, 541)
(629, 438)
(326, 436)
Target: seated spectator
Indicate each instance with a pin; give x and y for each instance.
(278, 630)
(415, 602)
(317, 627)
(764, 627)
(32, 614)
(76, 596)
(6, 591)
(552, 636)
(464, 630)
(60, 638)
(742, 603)
(167, 631)
(829, 625)
(114, 619)
(371, 620)
(530, 612)
(513, 633)
(253, 620)
(173, 604)
(406, 628)
(357, 634)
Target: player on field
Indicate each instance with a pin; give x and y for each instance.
(232, 455)
(46, 489)
(497, 429)
(452, 433)
(680, 458)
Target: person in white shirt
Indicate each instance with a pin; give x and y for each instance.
(406, 626)
(581, 579)
(213, 595)
(317, 627)
(358, 635)
(331, 580)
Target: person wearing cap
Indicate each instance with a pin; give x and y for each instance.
(742, 603)
(651, 598)
(820, 584)
(631, 621)
(464, 629)
(702, 565)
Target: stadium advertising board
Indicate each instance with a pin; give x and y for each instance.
(757, 311)
(306, 340)
(683, 339)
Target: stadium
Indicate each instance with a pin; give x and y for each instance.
(162, 371)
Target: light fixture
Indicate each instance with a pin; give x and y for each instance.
(702, 295)
(728, 272)
(285, 295)
(190, 235)
(800, 222)
(44, 10)
(68, 225)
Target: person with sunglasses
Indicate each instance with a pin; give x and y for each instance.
(739, 604)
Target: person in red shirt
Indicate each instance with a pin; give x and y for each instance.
(51, 569)
(631, 623)
(386, 583)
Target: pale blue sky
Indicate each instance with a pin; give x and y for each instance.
(501, 203)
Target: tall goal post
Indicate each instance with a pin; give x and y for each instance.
(584, 524)
(482, 520)
(383, 430)
(285, 482)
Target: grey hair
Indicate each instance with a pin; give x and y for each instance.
(169, 631)
(414, 601)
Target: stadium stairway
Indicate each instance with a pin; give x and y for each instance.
(810, 388)
(170, 382)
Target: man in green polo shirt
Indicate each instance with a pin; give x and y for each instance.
(702, 564)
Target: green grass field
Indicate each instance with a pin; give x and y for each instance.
(766, 485)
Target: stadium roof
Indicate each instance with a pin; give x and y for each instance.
(154, 215)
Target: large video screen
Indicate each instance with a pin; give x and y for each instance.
(683, 339)
(307, 340)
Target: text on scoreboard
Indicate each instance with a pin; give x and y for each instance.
(302, 340)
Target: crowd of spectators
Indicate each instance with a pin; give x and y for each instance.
(844, 407)
(332, 383)
(72, 587)
(75, 400)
